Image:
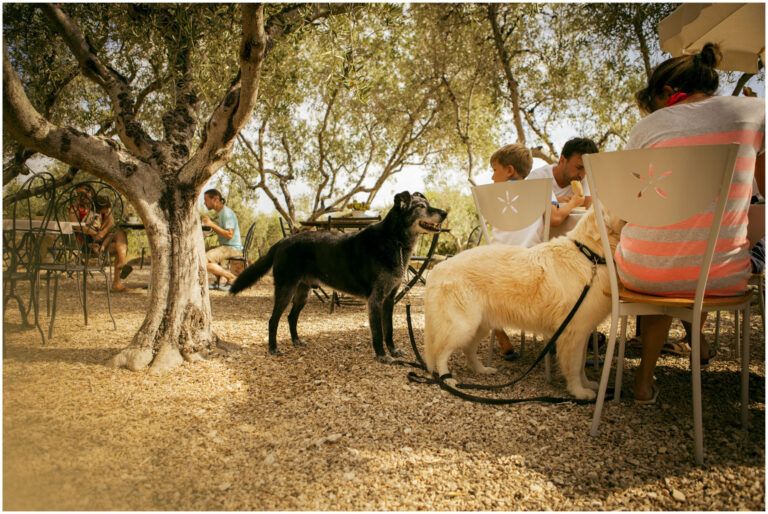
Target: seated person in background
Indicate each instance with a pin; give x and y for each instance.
(570, 167)
(513, 162)
(227, 229)
(96, 224)
(682, 110)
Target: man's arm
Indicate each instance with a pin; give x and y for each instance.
(223, 232)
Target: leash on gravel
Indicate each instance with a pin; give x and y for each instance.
(456, 391)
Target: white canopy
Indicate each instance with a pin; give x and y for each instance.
(738, 28)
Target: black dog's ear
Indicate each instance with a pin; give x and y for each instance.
(403, 200)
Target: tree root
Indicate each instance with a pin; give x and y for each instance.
(225, 347)
(134, 359)
(167, 358)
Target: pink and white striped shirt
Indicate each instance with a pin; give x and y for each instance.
(666, 260)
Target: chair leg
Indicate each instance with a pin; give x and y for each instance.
(745, 334)
(53, 311)
(108, 280)
(34, 300)
(698, 429)
(605, 377)
(596, 350)
(491, 345)
(761, 299)
(717, 326)
(737, 329)
(617, 384)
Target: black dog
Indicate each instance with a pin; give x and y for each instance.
(369, 264)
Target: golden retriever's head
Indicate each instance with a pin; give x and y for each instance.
(587, 232)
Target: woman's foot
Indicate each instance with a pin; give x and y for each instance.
(118, 288)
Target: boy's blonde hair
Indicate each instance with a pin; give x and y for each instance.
(515, 155)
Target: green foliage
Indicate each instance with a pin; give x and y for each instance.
(462, 217)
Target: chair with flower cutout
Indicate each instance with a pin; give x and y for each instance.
(660, 187)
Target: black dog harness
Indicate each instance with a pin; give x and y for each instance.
(456, 391)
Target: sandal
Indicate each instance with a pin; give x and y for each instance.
(679, 348)
(510, 355)
(127, 269)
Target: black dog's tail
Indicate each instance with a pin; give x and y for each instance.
(254, 272)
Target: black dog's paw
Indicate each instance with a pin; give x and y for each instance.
(396, 352)
(298, 342)
(275, 352)
(384, 359)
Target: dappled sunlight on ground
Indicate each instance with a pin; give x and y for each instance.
(326, 427)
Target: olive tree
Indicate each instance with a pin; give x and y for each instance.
(159, 57)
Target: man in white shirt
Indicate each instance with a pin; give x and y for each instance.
(570, 167)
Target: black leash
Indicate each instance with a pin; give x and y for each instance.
(440, 380)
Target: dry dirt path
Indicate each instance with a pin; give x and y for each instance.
(327, 428)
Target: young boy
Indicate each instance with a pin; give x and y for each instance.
(514, 162)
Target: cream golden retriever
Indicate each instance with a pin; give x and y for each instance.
(532, 289)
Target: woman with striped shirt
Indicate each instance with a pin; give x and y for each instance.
(663, 261)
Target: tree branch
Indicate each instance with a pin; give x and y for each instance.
(235, 108)
(130, 131)
(97, 155)
(512, 85)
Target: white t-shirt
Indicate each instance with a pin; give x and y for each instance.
(526, 237)
(547, 171)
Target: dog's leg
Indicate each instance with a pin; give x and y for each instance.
(299, 300)
(375, 302)
(388, 308)
(570, 356)
(470, 352)
(283, 296)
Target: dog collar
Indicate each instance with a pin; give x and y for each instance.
(589, 254)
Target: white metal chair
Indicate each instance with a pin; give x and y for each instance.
(512, 206)
(687, 181)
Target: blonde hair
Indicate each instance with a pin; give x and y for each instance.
(515, 155)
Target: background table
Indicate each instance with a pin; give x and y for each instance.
(358, 223)
(25, 225)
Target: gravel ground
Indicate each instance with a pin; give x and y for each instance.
(326, 427)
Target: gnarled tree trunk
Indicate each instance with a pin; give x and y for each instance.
(178, 322)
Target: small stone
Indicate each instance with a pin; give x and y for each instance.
(677, 495)
(349, 476)
(663, 449)
(224, 486)
(536, 488)
(270, 459)
(407, 430)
